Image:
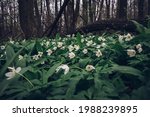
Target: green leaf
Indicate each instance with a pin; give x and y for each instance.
(148, 24)
(79, 39)
(9, 52)
(30, 47)
(4, 84)
(50, 72)
(72, 86)
(57, 37)
(21, 63)
(84, 62)
(140, 28)
(8, 63)
(39, 47)
(127, 70)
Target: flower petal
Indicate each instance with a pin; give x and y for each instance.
(18, 69)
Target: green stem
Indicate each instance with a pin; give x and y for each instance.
(78, 68)
(26, 79)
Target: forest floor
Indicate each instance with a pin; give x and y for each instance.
(107, 66)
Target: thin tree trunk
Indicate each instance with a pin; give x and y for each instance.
(50, 29)
(101, 8)
(38, 18)
(140, 9)
(122, 9)
(108, 8)
(148, 7)
(85, 12)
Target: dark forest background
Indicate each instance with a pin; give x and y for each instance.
(38, 18)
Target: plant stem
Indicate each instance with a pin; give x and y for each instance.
(26, 79)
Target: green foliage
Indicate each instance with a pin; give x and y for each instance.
(94, 67)
(142, 29)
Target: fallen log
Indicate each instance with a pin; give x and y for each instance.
(116, 25)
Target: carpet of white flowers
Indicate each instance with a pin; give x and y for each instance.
(76, 67)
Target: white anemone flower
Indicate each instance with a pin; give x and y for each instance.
(101, 39)
(62, 48)
(64, 67)
(53, 43)
(35, 57)
(85, 51)
(69, 36)
(120, 39)
(1, 55)
(131, 52)
(98, 53)
(55, 48)
(98, 46)
(42, 63)
(77, 47)
(12, 72)
(89, 43)
(47, 43)
(71, 55)
(2, 47)
(60, 44)
(103, 45)
(71, 48)
(89, 68)
(82, 40)
(12, 42)
(49, 52)
(138, 46)
(128, 37)
(40, 54)
(20, 57)
(140, 50)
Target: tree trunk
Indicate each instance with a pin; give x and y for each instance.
(148, 7)
(108, 8)
(77, 9)
(85, 12)
(38, 19)
(101, 8)
(90, 12)
(26, 15)
(122, 9)
(140, 9)
(2, 21)
(50, 29)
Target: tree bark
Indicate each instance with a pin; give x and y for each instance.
(85, 12)
(108, 8)
(140, 9)
(26, 15)
(38, 19)
(122, 9)
(148, 7)
(50, 29)
(101, 8)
